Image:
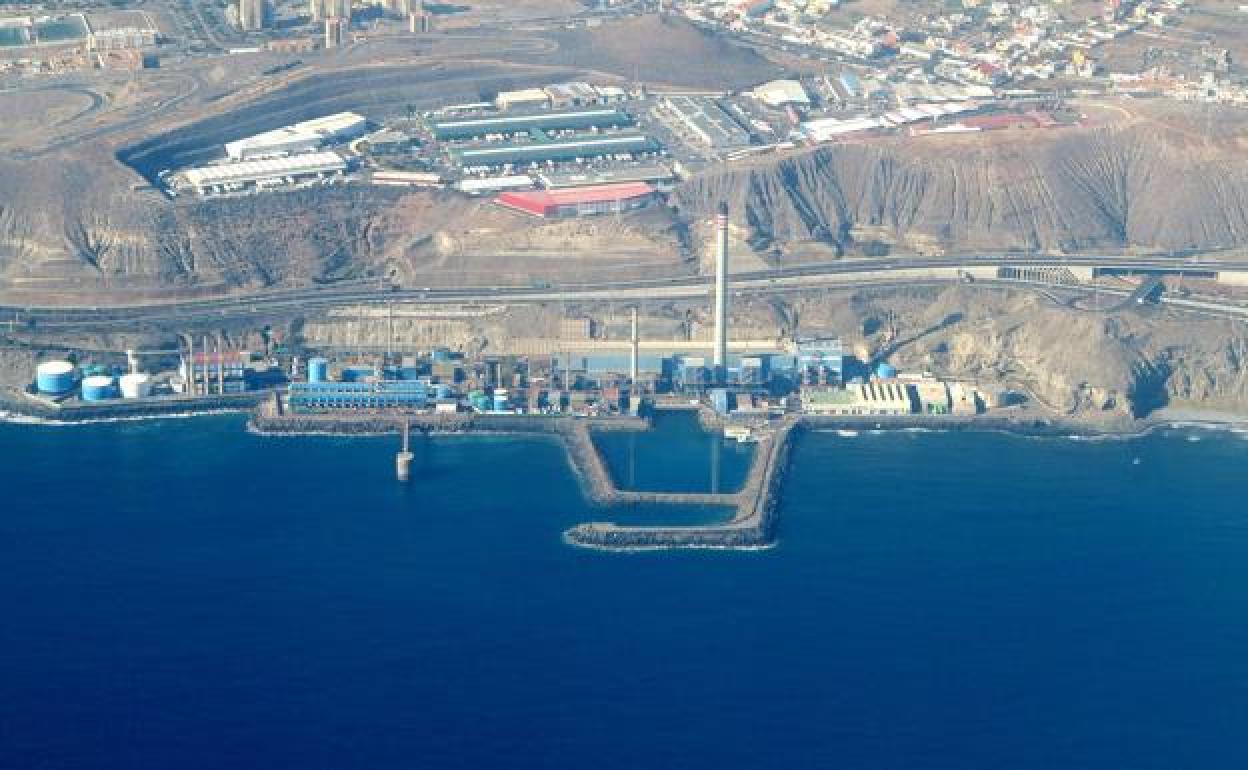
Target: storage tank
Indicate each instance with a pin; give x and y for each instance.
(136, 385)
(54, 377)
(318, 370)
(885, 371)
(97, 388)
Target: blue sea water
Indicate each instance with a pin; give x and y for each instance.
(676, 456)
(185, 595)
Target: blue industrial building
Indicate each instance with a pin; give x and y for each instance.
(387, 394)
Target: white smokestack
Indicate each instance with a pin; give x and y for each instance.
(721, 292)
(636, 339)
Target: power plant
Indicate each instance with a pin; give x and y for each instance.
(720, 361)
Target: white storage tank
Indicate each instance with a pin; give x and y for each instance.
(136, 385)
(99, 388)
(54, 377)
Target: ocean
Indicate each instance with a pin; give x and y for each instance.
(182, 594)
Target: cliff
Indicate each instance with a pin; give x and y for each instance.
(1079, 362)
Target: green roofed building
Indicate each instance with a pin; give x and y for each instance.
(559, 150)
(558, 120)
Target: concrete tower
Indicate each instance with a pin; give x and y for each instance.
(635, 350)
(334, 27)
(251, 15)
(721, 293)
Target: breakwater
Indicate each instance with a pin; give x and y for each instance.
(753, 522)
(751, 526)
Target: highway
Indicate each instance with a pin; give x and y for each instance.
(292, 302)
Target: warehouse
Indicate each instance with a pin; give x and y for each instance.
(261, 173)
(507, 125)
(580, 201)
(301, 137)
(707, 122)
(654, 173)
(572, 149)
(781, 93)
(528, 97)
(571, 94)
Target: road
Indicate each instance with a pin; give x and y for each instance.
(296, 302)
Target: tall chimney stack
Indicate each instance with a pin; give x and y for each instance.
(633, 363)
(721, 293)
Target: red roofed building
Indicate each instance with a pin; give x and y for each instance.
(580, 201)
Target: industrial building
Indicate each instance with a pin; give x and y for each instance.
(782, 93)
(260, 173)
(707, 122)
(251, 15)
(510, 125)
(580, 201)
(820, 361)
(571, 94)
(528, 97)
(542, 152)
(874, 399)
(494, 184)
(657, 174)
(223, 370)
(383, 394)
(306, 136)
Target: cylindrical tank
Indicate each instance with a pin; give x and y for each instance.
(318, 370)
(136, 385)
(885, 371)
(54, 377)
(97, 388)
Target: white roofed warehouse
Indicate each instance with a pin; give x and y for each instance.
(301, 137)
(229, 177)
(782, 93)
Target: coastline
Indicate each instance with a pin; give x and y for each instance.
(752, 523)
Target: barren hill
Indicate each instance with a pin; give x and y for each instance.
(663, 50)
(1113, 188)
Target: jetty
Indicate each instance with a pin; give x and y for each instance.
(750, 523)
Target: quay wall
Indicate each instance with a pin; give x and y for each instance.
(365, 424)
(20, 403)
